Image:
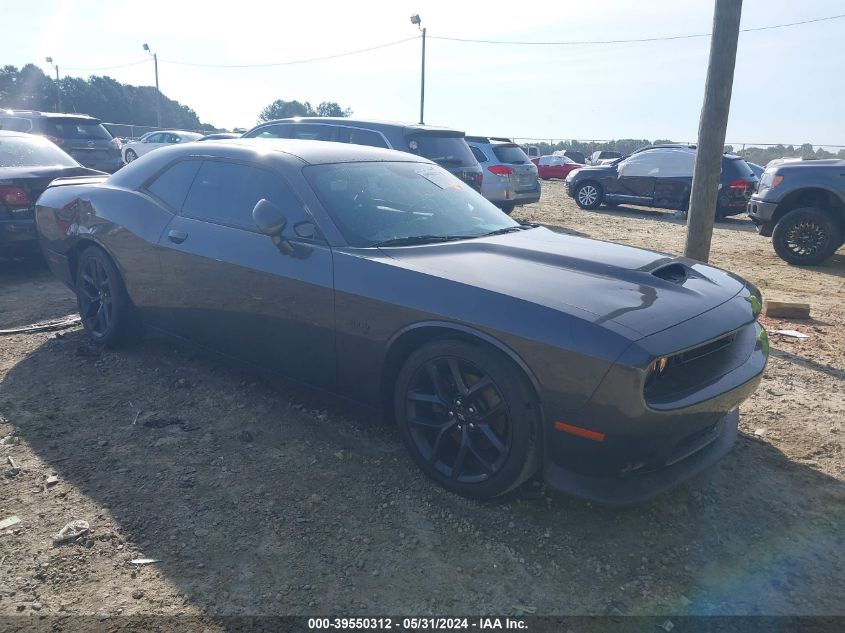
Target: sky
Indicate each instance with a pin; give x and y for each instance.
(788, 85)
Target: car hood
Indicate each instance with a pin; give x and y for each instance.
(642, 291)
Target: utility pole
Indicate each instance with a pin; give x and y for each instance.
(415, 19)
(711, 129)
(158, 92)
(49, 60)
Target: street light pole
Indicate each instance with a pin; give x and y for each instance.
(58, 86)
(158, 92)
(415, 19)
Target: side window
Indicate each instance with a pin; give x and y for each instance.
(273, 131)
(155, 138)
(641, 165)
(171, 186)
(313, 131)
(225, 193)
(545, 160)
(479, 155)
(361, 137)
(677, 164)
(15, 124)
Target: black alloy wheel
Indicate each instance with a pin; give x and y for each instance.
(806, 236)
(101, 298)
(466, 416)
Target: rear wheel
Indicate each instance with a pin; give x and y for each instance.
(806, 236)
(103, 303)
(507, 208)
(130, 156)
(589, 195)
(468, 417)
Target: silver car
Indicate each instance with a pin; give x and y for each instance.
(510, 178)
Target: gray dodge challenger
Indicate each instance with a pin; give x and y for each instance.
(501, 349)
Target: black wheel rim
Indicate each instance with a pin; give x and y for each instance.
(458, 419)
(95, 298)
(805, 238)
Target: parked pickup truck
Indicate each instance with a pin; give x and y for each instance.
(801, 205)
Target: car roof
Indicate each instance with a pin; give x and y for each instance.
(321, 152)
(372, 123)
(485, 140)
(52, 115)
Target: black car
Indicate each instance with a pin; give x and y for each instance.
(27, 165)
(446, 147)
(501, 349)
(659, 177)
(82, 137)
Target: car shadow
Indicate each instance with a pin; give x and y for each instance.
(255, 503)
(833, 372)
(29, 293)
(735, 223)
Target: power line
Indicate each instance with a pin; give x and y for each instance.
(628, 41)
(295, 61)
(143, 61)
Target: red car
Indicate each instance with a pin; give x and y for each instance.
(554, 166)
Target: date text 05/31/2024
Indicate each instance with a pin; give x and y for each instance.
(417, 624)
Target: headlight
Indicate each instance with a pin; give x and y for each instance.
(656, 369)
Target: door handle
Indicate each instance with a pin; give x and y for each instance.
(177, 237)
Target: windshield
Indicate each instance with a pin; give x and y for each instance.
(449, 151)
(511, 154)
(32, 152)
(75, 128)
(373, 203)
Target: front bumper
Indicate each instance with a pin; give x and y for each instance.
(686, 462)
(762, 214)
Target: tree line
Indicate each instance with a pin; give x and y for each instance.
(29, 88)
(759, 155)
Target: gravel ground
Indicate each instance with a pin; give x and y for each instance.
(258, 498)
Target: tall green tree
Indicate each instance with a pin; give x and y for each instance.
(281, 109)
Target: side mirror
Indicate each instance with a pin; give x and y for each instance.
(271, 221)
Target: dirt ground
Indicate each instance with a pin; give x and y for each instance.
(258, 498)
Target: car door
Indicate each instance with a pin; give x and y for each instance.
(635, 178)
(230, 287)
(674, 181)
(149, 143)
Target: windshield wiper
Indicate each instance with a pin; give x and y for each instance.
(509, 229)
(422, 239)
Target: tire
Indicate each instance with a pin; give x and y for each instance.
(806, 236)
(480, 440)
(544, 177)
(130, 156)
(507, 208)
(589, 195)
(106, 311)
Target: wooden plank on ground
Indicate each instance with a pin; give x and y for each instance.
(786, 309)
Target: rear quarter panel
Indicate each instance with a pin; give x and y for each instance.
(126, 224)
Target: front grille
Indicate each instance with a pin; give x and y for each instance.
(689, 370)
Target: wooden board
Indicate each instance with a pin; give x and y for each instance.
(786, 309)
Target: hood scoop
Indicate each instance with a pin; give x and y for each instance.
(674, 273)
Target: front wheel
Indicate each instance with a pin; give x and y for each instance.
(104, 306)
(806, 236)
(588, 195)
(468, 417)
(130, 156)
